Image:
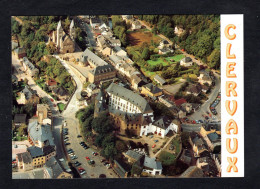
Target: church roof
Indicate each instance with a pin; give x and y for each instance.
(59, 25)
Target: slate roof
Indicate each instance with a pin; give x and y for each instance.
(152, 88)
(129, 96)
(20, 50)
(28, 92)
(48, 149)
(24, 157)
(41, 133)
(214, 137)
(119, 169)
(159, 79)
(89, 56)
(192, 172)
(35, 151)
(162, 122)
(99, 70)
(20, 118)
(133, 154)
(187, 59)
(151, 163)
(212, 126)
(54, 167)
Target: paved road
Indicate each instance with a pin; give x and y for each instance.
(205, 107)
(74, 131)
(88, 30)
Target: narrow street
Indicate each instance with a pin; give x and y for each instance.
(74, 131)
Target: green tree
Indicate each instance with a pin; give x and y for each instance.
(145, 54)
(214, 59)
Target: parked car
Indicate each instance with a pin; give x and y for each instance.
(67, 143)
(81, 171)
(87, 158)
(103, 160)
(151, 136)
(156, 140)
(66, 139)
(153, 145)
(74, 157)
(95, 153)
(79, 136)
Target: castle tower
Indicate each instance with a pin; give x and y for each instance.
(59, 34)
(72, 30)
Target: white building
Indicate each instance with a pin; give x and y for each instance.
(186, 62)
(160, 127)
(152, 166)
(127, 101)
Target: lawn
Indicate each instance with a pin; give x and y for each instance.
(159, 60)
(61, 106)
(139, 37)
(176, 144)
(167, 158)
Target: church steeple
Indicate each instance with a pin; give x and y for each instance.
(72, 30)
(59, 33)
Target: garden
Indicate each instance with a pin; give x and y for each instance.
(61, 106)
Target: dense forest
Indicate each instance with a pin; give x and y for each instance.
(200, 36)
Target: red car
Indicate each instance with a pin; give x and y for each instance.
(182, 50)
(51, 99)
(87, 158)
(193, 121)
(153, 145)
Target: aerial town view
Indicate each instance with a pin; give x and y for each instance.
(116, 96)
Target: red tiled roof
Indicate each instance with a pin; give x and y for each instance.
(180, 101)
(51, 82)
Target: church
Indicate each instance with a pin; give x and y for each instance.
(65, 43)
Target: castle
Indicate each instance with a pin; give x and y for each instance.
(131, 112)
(65, 43)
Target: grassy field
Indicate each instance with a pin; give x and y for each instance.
(61, 106)
(167, 158)
(168, 61)
(139, 37)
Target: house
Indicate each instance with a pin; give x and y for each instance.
(127, 17)
(117, 50)
(101, 73)
(194, 89)
(208, 166)
(178, 30)
(152, 166)
(101, 41)
(197, 144)
(14, 45)
(132, 156)
(136, 25)
(186, 62)
(205, 78)
(107, 51)
(165, 101)
(20, 52)
(159, 80)
(137, 81)
(49, 152)
(165, 50)
(164, 44)
(186, 107)
(192, 172)
(95, 22)
(61, 92)
(51, 83)
(213, 140)
(90, 88)
(29, 96)
(210, 127)
(112, 41)
(119, 170)
(161, 126)
(92, 59)
(37, 155)
(29, 67)
(179, 102)
(44, 114)
(186, 157)
(54, 170)
(65, 43)
(24, 161)
(40, 135)
(151, 90)
(204, 88)
(19, 119)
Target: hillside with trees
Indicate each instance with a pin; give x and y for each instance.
(200, 36)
